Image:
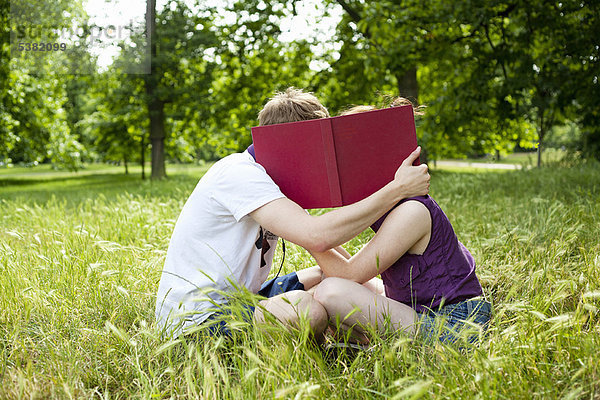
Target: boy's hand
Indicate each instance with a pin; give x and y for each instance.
(412, 180)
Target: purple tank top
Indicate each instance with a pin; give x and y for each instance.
(446, 270)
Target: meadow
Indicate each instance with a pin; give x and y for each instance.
(81, 255)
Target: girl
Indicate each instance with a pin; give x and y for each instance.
(426, 272)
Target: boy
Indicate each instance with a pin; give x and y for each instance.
(228, 230)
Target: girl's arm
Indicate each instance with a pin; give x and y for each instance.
(407, 227)
(343, 252)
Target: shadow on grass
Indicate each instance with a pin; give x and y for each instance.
(78, 188)
(5, 182)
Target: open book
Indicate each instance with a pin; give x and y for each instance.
(336, 161)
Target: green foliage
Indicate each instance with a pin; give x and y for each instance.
(34, 121)
(81, 254)
(177, 87)
(7, 122)
(252, 66)
(116, 118)
(494, 75)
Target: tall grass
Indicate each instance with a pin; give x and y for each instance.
(80, 260)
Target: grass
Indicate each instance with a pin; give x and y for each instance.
(80, 260)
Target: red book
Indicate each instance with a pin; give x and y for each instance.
(332, 162)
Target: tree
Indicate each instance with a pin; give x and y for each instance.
(386, 25)
(177, 37)
(521, 60)
(578, 36)
(116, 118)
(7, 122)
(34, 124)
(253, 64)
(492, 74)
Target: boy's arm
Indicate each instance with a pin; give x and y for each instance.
(288, 220)
(406, 226)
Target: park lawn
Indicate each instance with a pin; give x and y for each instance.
(80, 260)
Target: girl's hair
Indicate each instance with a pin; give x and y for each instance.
(357, 109)
(291, 106)
(395, 102)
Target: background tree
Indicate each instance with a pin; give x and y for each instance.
(178, 37)
(252, 64)
(493, 76)
(491, 73)
(7, 122)
(116, 119)
(34, 120)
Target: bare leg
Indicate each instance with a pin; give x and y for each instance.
(309, 277)
(289, 307)
(375, 285)
(354, 305)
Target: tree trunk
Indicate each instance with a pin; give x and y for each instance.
(539, 164)
(542, 132)
(143, 158)
(157, 139)
(154, 104)
(408, 86)
(126, 166)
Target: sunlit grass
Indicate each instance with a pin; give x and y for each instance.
(80, 260)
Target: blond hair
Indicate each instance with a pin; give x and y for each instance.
(395, 102)
(357, 109)
(291, 106)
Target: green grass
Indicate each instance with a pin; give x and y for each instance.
(80, 260)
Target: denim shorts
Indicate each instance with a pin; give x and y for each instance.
(463, 322)
(217, 323)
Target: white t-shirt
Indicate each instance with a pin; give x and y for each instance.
(215, 241)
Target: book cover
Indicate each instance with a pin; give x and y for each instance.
(336, 161)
